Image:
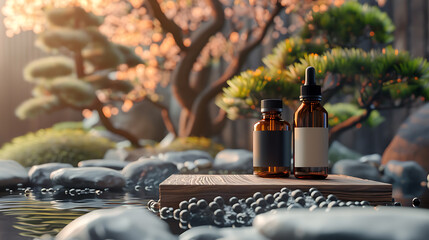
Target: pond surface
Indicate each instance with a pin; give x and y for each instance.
(26, 216)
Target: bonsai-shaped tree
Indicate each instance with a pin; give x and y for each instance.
(82, 73)
(184, 38)
(357, 82)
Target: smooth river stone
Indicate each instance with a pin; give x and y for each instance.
(121, 223)
(108, 163)
(345, 223)
(40, 174)
(212, 233)
(88, 177)
(356, 168)
(234, 160)
(406, 177)
(147, 174)
(185, 156)
(12, 173)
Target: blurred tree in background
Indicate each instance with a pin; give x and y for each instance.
(355, 81)
(181, 37)
(81, 76)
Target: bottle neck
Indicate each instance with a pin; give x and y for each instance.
(271, 115)
(310, 101)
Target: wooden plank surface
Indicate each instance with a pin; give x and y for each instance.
(179, 187)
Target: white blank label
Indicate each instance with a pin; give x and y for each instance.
(311, 147)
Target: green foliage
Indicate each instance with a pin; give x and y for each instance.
(346, 25)
(103, 56)
(340, 112)
(98, 81)
(393, 71)
(48, 68)
(366, 79)
(72, 39)
(289, 51)
(73, 91)
(70, 17)
(75, 32)
(49, 145)
(192, 143)
(56, 94)
(245, 91)
(37, 105)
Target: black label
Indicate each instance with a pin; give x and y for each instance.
(271, 148)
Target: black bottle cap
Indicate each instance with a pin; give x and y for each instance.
(271, 105)
(310, 90)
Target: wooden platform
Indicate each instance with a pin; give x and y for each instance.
(179, 187)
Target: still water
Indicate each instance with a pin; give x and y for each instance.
(26, 216)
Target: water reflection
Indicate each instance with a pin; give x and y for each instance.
(34, 216)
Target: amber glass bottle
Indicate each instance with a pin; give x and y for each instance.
(311, 137)
(271, 142)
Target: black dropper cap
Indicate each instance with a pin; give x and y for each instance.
(310, 91)
(268, 105)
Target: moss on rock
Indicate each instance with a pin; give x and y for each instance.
(50, 145)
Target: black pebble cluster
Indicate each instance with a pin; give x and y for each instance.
(235, 212)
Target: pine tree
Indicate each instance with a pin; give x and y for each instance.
(363, 80)
(82, 65)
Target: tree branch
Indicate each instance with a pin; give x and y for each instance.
(181, 86)
(78, 61)
(353, 121)
(165, 116)
(219, 122)
(216, 87)
(164, 112)
(167, 24)
(98, 106)
(330, 92)
(335, 131)
(239, 60)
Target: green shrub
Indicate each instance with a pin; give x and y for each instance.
(192, 143)
(349, 24)
(51, 145)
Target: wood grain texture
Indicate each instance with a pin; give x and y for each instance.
(178, 187)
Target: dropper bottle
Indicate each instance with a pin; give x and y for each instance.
(311, 136)
(271, 141)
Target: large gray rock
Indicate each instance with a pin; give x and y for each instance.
(108, 163)
(345, 223)
(185, 156)
(411, 142)
(202, 233)
(356, 168)
(234, 160)
(212, 233)
(338, 151)
(40, 174)
(121, 223)
(116, 154)
(89, 177)
(203, 163)
(372, 159)
(146, 174)
(12, 173)
(406, 177)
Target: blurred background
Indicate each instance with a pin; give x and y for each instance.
(113, 81)
(18, 49)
